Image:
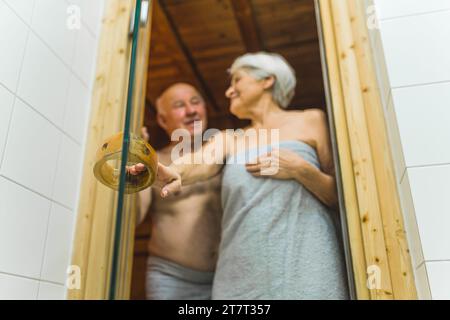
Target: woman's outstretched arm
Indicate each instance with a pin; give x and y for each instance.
(204, 163)
(200, 165)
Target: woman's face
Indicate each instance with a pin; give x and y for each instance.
(243, 92)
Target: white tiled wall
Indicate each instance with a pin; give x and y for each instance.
(412, 64)
(388, 9)
(423, 115)
(439, 277)
(46, 74)
(412, 55)
(18, 288)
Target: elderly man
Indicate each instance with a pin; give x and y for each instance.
(185, 229)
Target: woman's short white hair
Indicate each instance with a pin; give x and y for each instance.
(262, 65)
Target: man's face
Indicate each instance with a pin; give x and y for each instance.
(179, 106)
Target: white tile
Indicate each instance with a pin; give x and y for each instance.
(23, 8)
(12, 46)
(24, 218)
(410, 221)
(44, 81)
(94, 11)
(50, 22)
(395, 141)
(91, 13)
(58, 244)
(397, 8)
(439, 277)
(77, 108)
(423, 115)
(424, 55)
(6, 105)
(422, 284)
(85, 56)
(430, 189)
(68, 173)
(50, 291)
(31, 150)
(17, 288)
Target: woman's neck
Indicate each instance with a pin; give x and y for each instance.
(263, 110)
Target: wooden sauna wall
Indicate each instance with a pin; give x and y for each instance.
(197, 41)
(200, 46)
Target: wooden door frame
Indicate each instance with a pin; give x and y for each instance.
(93, 237)
(376, 245)
(372, 221)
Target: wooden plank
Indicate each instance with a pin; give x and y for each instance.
(346, 39)
(394, 233)
(138, 283)
(345, 157)
(363, 166)
(243, 12)
(168, 64)
(91, 250)
(211, 33)
(97, 209)
(138, 119)
(117, 79)
(187, 54)
(283, 23)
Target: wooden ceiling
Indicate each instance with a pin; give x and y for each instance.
(196, 41)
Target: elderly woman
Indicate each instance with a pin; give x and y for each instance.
(279, 239)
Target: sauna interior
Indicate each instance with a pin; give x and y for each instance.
(195, 41)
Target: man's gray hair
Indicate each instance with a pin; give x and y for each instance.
(262, 65)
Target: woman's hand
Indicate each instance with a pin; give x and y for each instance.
(279, 164)
(167, 179)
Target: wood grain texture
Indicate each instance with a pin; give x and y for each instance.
(363, 129)
(245, 17)
(345, 157)
(215, 32)
(94, 231)
(395, 236)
